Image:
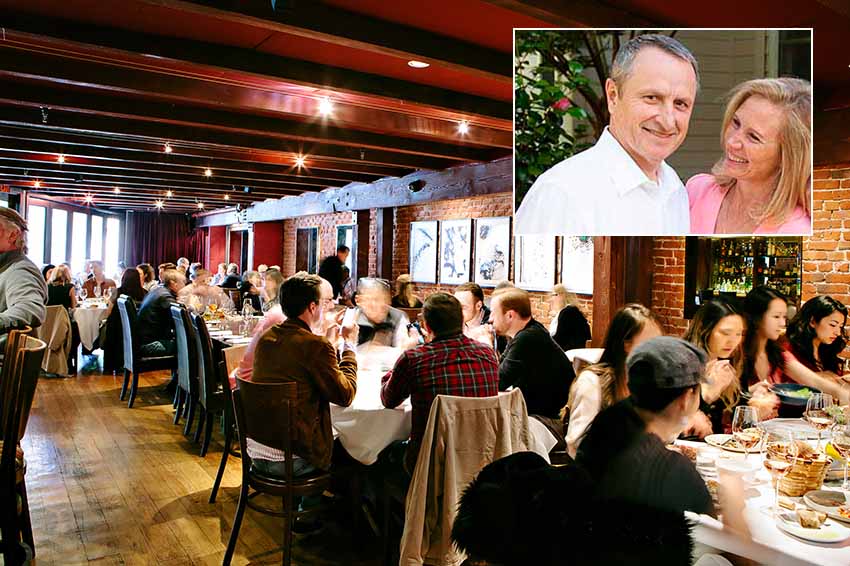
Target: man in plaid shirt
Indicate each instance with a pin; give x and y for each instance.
(448, 364)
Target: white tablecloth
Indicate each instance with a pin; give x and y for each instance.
(772, 545)
(365, 428)
(88, 321)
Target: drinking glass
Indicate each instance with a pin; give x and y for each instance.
(83, 293)
(841, 443)
(745, 428)
(816, 412)
(97, 291)
(780, 455)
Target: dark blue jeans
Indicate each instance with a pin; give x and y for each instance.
(300, 467)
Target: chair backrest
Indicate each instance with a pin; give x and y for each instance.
(463, 435)
(56, 332)
(207, 371)
(187, 358)
(234, 355)
(127, 312)
(18, 393)
(263, 413)
(14, 340)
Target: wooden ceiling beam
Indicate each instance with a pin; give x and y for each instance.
(216, 58)
(97, 146)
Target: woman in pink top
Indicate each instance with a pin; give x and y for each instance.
(762, 184)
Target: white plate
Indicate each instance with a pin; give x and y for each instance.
(796, 426)
(239, 340)
(830, 511)
(717, 441)
(830, 532)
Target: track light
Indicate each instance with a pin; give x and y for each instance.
(167, 148)
(463, 127)
(325, 106)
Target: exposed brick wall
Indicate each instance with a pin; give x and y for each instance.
(327, 224)
(826, 255)
(668, 284)
(476, 207)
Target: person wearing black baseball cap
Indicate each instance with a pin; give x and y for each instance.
(624, 450)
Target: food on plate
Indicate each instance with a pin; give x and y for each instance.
(826, 498)
(844, 511)
(803, 393)
(688, 451)
(810, 519)
(713, 488)
(787, 503)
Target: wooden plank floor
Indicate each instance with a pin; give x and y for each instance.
(112, 485)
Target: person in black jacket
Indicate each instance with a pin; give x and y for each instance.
(331, 269)
(154, 323)
(532, 361)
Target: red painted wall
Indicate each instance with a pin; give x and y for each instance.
(216, 242)
(268, 243)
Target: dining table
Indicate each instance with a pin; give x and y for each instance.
(88, 315)
(769, 544)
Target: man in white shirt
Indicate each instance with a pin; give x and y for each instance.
(622, 186)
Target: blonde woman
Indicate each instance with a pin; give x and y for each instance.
(405, 297)
(762, 184)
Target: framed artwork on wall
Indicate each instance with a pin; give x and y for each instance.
(423, 251)
(492, 250)
(577, 264)
(455, 251)
(535, 262)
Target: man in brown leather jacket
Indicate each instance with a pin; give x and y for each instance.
(297, 350)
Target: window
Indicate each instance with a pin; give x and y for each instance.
(96, 237)
(113, 240)
(58, 236)
(36, 217)
(795, 54)
(78, 241)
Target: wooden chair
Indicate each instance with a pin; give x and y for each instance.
(134, 362)
(229, 424)
(17, 390)
(264, 413)
(211, 389)
(187, 366)
(234, 355)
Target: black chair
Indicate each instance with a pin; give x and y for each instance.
(134, 362)
(211, 394)
(229, 427)
(23, 358)
(187, 366)
(264, 414)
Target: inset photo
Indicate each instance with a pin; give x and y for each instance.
(673, 132)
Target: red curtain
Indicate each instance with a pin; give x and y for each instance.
(157, 238)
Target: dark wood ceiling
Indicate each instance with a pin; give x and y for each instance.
(236, 86)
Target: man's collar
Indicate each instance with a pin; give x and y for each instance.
(295, 321)
(625, 173)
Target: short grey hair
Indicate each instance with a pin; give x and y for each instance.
(367, 284)
(15, 221)
(625, 57)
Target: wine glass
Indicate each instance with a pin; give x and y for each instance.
(816, 412)
(745, 428)
(841, 443)
(780, 456)
(97, 291)
(83, 293)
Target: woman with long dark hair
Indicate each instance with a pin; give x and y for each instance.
(764, 358)
(816, 335)
(113, 351)
(601, 385)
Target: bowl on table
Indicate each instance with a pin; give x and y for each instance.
(793, 394)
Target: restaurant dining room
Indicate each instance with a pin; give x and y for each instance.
(263, 300)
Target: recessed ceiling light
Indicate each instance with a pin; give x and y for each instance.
(226, 197)
(89, 199)
(463, 127)
(200, 205)
(208, 172)
(169, 194)
(299, 161)
(60, 158)
(325, 106)
(37, 184)
(159, 204)
(418, 64)
(167, 148)
(116, 190)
